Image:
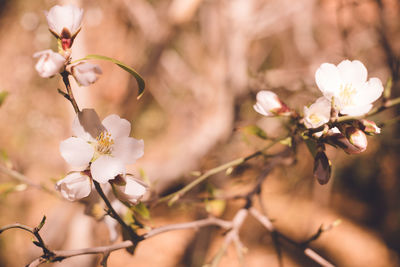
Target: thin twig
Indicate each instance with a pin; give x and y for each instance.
(71, 98)
(178, 194)
(306, 250)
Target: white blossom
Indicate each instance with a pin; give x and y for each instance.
(49, 64)
(65, 23)
(269, 104)
(85, 73)
(106, 145)
(347, 84)
(132, 191)
(74, 186)
(318, 113)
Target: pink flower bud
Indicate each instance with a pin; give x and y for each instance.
(268, 104)
(322, 168)
(49, 64)
(357, 138)
(370, 127)
(65, 23)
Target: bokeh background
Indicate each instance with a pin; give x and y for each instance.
(203, 62)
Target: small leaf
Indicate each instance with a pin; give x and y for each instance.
(37, 243)
(142, 210)
(388, 88)
(3, 96)
(286, 142)
(322, 168)
(139, 79)
(312, 146)
(255, 130)
(216, 207)
(41, 223)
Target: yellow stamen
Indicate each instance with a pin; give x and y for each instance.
(346, 94)
(104, 143)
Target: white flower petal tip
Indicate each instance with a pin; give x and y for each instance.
(369, 127)
(86, 73)
(49, 63)
(74, 186)
(318, 113)
(65, 23)
(132, 191)
(269, 104)
(347, 84)
(106, 168)
(77, 152)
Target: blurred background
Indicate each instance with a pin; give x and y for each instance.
(203, 62)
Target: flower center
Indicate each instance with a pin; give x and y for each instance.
(315, 119)
(104, 143)
(346, 94)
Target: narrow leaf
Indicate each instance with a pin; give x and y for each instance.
(255, 130)
(3, 96)
(139, 79)
(142, 210)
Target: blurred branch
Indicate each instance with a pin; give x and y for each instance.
(265, 221)
(23, 179)
(178, 194)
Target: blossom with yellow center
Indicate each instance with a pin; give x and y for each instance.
(103, 147)
(317, 114)
(347, 84)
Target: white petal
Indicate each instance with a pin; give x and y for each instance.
(76, 151)
(257, 107)
(318, 113)
(85, 73)
(74, 186)
(116, 126)
(353, 72)
(68, 17)
(134, 188)
(128, 149)
(106, 168)
(371, 91)
(87, 125)
(49, 63)
(328, 79)
(356, 110)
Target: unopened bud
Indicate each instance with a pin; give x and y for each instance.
(322, 168)
(269, 104)
(370, 127)
(357, 138)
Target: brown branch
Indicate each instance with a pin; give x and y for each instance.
(70, 95)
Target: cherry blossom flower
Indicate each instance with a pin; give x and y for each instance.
(268, 104)
(65, 23)
(85, 73)
(103, 147)
(318, 113)
(74, 186)
(49, 64)
(347, 84)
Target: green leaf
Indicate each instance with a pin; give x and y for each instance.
(312, 146)
(286, 142)
(3, 96)
(139, 79)
(142, 210)
(388, 88)
(255, 130)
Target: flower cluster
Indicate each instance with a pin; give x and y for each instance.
(65, 23)
(345, 92)
(98, 150)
